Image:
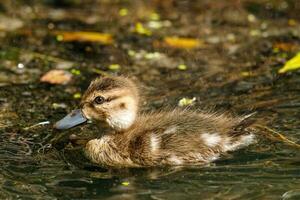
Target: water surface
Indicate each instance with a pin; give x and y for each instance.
(244, 43)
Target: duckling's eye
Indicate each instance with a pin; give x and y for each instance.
(99, 100)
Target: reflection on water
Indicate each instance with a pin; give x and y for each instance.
(234, 68)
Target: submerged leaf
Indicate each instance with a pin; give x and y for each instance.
(104, 38)
(246, 74)
(292, 22)
(284, 46)
(292, 64)
(10, 24)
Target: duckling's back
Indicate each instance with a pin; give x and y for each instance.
(183, 137)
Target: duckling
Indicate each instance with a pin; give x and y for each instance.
(168, 137)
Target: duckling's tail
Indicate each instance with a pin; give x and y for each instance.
(247, 128)
(241, 135)
(244, 126)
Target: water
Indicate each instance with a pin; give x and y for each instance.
(235, 70)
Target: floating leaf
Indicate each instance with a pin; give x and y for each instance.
(291, 64)
(123, 12)
(155, 24)
(57, 76)
(154, 16)
(125, 183)
(77, 95)
(37, 125)
(186, 101)
(158, 24)
(182, 67)
(255, 32)
(65, 36)
(140, 29)
(131, 53)
(59, 105)
(114, 67)
(251, 18)
(60, 38)
(99, 71)
(187, 43)
(75, 72)
(152, 55)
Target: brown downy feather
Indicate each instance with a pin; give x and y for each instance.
(167, 137)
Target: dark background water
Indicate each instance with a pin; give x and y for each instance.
(243, 44)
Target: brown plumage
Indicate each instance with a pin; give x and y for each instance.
(170, 137)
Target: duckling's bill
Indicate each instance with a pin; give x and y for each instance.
(74, 118)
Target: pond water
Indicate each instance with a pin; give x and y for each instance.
(230, 63)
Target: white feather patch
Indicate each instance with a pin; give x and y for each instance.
(242, 142)
(175, 160)
(154, 143)
(171, 129)
(212, 139)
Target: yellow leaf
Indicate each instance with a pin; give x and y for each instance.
(140, 29)
(68, 36)
(292, 64)
(154, 16)
(114, 67)
(186, 101)
(292, 22)
(75, 72)
(77, 95)
(125, 183)
(123, 12)
(245, 74)
(131, 53)
(182, 67)
(187, 43)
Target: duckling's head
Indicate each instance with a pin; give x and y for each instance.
(113, 100)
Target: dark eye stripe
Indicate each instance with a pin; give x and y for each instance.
(112, 98)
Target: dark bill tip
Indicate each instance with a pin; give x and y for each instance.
(74, 118)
